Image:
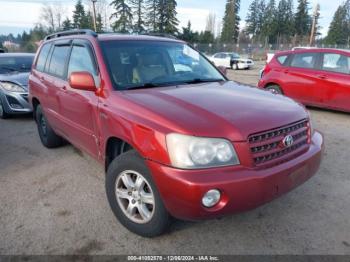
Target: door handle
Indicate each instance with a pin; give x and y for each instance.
(322, 76)
(42, 79)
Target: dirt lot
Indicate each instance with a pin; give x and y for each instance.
(53, 202)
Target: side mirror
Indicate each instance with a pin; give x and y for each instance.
(223, 70)
(82, 81)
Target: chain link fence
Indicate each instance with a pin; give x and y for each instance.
(253, 51)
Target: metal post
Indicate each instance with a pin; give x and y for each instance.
(94, 13)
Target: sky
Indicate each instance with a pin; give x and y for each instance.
(19, 15)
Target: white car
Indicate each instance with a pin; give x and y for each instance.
(231, 60)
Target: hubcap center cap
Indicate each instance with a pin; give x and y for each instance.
(135, 195)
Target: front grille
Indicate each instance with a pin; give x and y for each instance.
(267, 147)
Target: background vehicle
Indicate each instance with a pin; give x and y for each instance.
(2, 50)
(14, 74)
(174, 142)
(316, 77)
(231, 60)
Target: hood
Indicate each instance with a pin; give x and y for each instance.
(227, 109)
(18, 78)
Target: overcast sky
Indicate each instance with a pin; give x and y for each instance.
(19, 15)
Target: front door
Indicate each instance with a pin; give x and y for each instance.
(78, 107)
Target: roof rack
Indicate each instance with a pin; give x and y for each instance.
(71, 32)
(160, 35)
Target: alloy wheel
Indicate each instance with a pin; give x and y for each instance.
(135, 196)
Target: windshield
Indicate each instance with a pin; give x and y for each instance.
(234, 55)
(148, 64)
(10, 64)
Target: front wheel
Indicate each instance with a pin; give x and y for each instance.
(275, 89)
(3, 114)
(134, 198)
(235, 66)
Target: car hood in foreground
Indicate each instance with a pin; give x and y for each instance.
(224, 109)
(18, 78)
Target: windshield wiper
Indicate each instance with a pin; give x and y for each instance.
(200, 80)
(144, 86)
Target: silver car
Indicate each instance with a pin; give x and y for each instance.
(14, 75)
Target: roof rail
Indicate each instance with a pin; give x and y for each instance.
(160, 35)
(71, 32)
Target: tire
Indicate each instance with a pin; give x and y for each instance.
(235, 67)
(47, 136)
(131, 166)
(3, 113)
(275, 89)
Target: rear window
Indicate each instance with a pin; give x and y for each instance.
(15, 64)
(282, 59)
(336, 63)
(40, 64)
(304, 60)
(58, 60)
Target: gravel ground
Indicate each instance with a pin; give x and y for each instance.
(53, 202)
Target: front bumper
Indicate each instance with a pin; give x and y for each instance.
(15, 103)
(241, 188)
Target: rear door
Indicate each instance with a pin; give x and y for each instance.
(54, 76)
(335, 83)
(300, 78)
(79, 107)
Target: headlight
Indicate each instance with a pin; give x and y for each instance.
(189, 152)
(12, 87)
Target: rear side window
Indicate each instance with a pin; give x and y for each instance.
(58, 60)
(304, 60)
(282, 59)
(40, 65)
(336, 63)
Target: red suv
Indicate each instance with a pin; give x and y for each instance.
(176, 137)
(316, 77)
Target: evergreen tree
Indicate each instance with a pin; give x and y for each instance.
(79, 16)
(269, 26)
(138, 7)
(99, 23)
(123, 16)
(152, 14)
(67, 24)
(302, 19)
(255, 18)
(169, 13)
(230, 30)
(188, 35)
(285, 20)
(339, 32)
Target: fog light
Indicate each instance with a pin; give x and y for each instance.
(211, 198)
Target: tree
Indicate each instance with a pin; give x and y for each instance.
(188, 34)
(285, 21)
(123, 16)
(80, 19)
(211, 23)
(269, 25)
(206, 37)
(302, 20)
(167, 21)
(315, 28)
(99, 23)
(255, 18)
(339, 31)
(152, 14)
(51, 17)
(230, 30)
(67, 24)
(138, 7)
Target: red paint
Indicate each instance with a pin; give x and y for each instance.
(317, 86)
(143, 118)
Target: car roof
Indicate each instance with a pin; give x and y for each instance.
(17, 55)
(128, 37)
(312, 50)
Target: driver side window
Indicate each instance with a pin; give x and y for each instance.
(80, 61)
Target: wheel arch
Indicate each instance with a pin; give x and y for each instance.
(35, 103)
